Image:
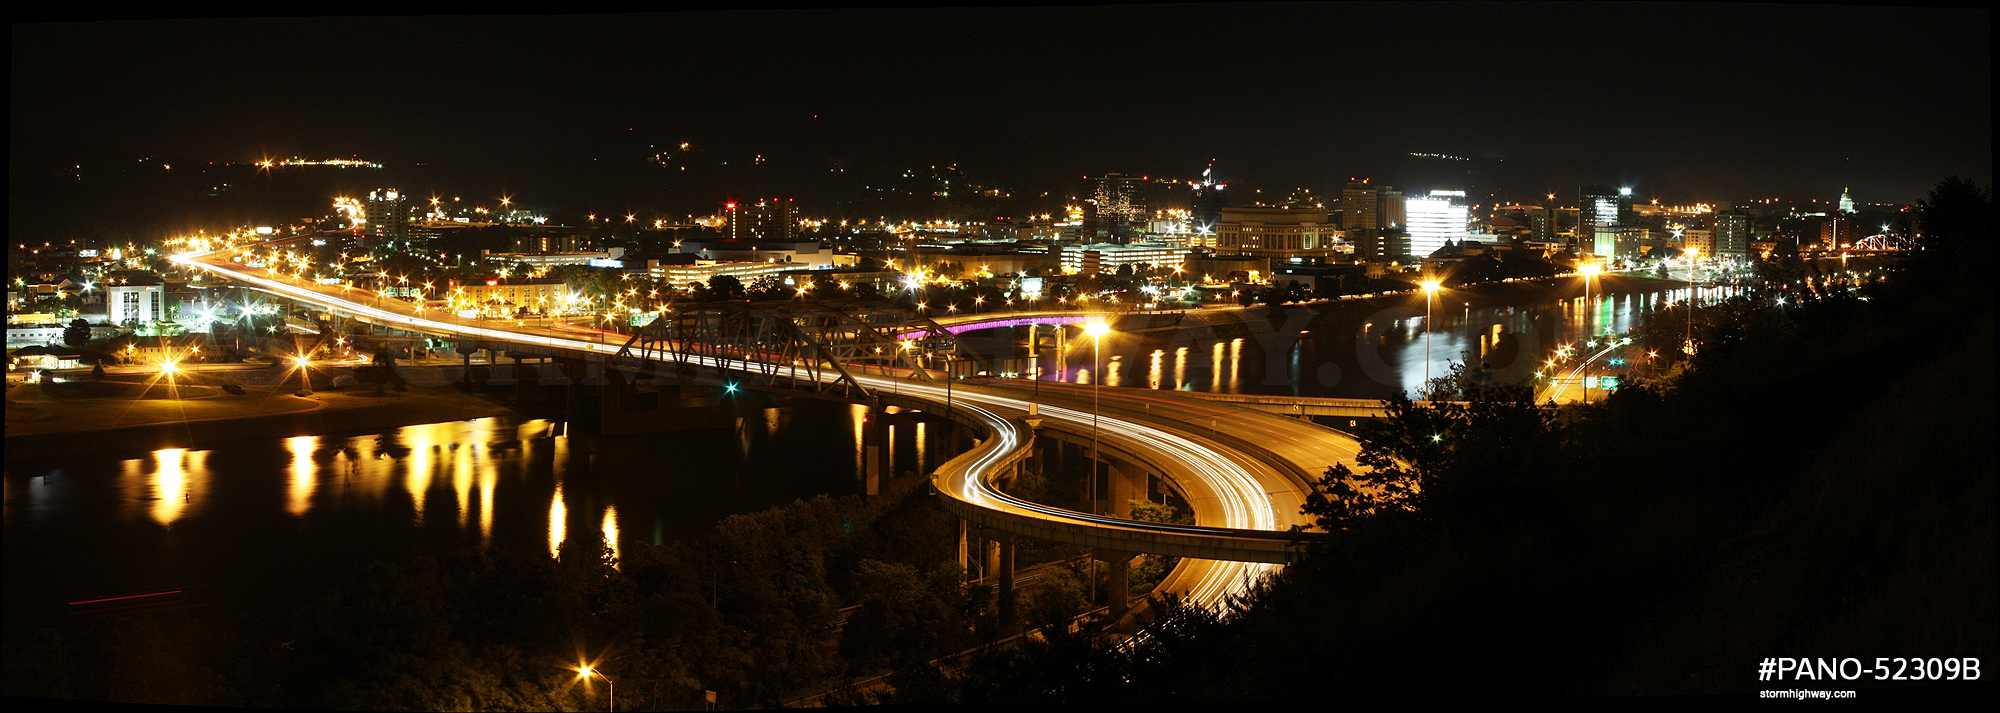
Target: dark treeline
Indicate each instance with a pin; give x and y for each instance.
(771, 607)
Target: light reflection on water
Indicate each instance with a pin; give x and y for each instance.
(303, 513)
(1374, 355)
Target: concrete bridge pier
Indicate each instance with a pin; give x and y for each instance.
(1128, 483)
(527, 382)
(1117, 579)
(875, 444)
(1005, 566)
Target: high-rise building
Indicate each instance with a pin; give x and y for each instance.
(1116, 211)
(1391, 213)
(388, 221)
(1358, 206)
(1599, 206)
(1542, 224)
(1209, 200)
(1838, 230)
(770, 219)
(1732, 234)
(1436, 219)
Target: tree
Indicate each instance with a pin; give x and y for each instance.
(1475, 444)
(725, 287)
(77, 333)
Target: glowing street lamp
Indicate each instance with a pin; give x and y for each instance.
(585, 672)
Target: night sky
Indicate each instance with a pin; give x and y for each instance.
(1703, 102)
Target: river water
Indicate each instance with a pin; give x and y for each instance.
(256, 528)
(1353, 350)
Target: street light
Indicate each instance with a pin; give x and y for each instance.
(1096, 330)
(1430, 291)
(586, 672)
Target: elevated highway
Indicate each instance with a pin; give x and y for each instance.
(1244, 473)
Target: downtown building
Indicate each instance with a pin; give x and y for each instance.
(1435, 220)
(1205, 214)
(772, 219)
(1276, 233)
(1600, 206)
(388, 219)
(1732, 234)
(1116, 210)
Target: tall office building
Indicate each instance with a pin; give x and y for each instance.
(1597, 207)
(764, 220)
(1435, 219)
(1116, 211)
(1358, 206)
(1732, 234)
(1390, 209)
(1542, 224)
(1838, 230)
(1206, 214)
(388, 220)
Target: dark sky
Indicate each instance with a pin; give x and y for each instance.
(1719, 101)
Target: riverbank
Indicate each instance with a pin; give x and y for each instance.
(45, 420)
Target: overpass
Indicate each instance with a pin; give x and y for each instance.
(1245, 486)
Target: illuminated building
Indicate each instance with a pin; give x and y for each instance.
(1838, 230)
(1599, 206)
(1379, 245)
(1358, 206)
(1846, 203)
(682, 275)
(763, 220)
(1275, 232)
(1436, 219)
(1612, 242)
(1698, 239)
(1391, 211)
(1104, 258)
(1542, 224)
(1732, 234)
(1209, 200)
(1116, 211)
(138, 302)
(509, 296)
(388, 221)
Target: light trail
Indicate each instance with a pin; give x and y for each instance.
(1245, 505)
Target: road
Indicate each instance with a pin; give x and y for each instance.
(1244, 496)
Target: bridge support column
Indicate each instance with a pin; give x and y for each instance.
(1128, 483)
(874, 441)
(963, 563)
(1006, 569)
(992, 548)
(1118, 579)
